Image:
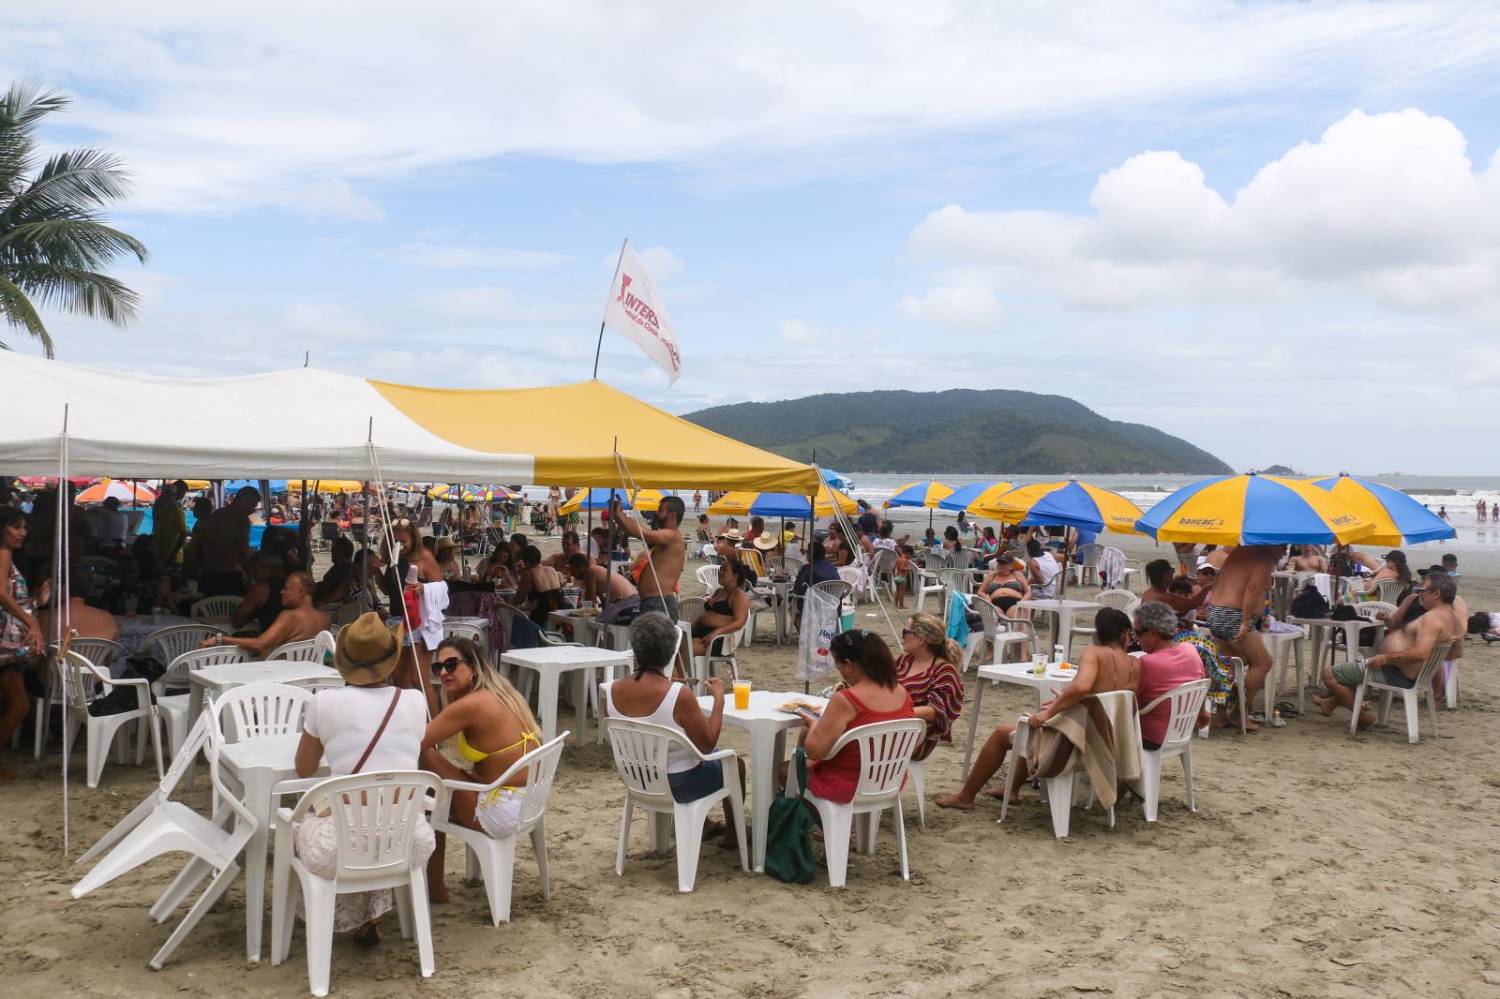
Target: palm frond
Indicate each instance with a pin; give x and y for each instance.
(18, 311)
(86, 293)
(73, 242)
(21, 110)
(76, 178)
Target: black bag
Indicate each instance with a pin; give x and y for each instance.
(1310, 603)
(789, 852)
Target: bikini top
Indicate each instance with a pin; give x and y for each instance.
(473, 755)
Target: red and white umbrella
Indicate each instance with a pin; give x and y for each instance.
(125, 492)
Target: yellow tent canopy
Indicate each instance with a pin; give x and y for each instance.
(571, 430)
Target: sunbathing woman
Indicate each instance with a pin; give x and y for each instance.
(726, 610)
(1105, 666)
(495, 728)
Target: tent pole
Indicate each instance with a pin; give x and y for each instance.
(305, 535)
(61, 593)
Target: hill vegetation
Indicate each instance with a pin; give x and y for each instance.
(999, 431)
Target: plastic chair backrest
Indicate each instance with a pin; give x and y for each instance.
(257, 710)
(313, 684)
(1090, 554)
(708, 577)
(937, 558)
(166, 644)
(1433, 663)
(988, 616)
(961, 559)
(1371, 610)
(215, 608)
(689, 609)
(81, 680)
(374, 819)
(751, 557)
(885, 750)
(640, 752)
(1120, 600)
(885, 562)
(1390, 590)
(834, 589)
(957, 580)
(310, 651)
(180, 669)
(99, 651)
(851, 575)
(463, 629)
(1183, 704)
(541, 769)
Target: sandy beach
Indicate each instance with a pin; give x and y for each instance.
(1317, 864)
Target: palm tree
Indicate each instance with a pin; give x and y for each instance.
(53, 240)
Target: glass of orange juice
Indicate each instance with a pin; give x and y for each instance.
(742, 695)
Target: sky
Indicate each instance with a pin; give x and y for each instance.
(1272, 229)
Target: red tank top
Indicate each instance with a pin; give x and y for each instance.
(837, 778)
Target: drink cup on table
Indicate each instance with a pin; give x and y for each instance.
(741, 695)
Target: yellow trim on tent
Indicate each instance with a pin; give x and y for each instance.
(570, 430)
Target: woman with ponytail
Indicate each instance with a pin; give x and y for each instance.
(928, 669)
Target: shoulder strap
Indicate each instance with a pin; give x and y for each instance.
(396, 699)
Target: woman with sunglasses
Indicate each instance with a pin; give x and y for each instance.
(926, 668)
(495, 728)
(870, 693)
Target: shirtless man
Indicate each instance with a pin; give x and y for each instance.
(659, 581)
(1159, 576)
(1403, 651)
(298, 621)
(224, 542)
(1309, 559)
(1239, 594)
(598, 582)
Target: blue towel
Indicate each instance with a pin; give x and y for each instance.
(958, 619)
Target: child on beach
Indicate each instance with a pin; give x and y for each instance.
(901, 572)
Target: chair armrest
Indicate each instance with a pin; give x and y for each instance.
(718, 754)
(296, 785)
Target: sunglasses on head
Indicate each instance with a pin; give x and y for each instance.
(449, 665)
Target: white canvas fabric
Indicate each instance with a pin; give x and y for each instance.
(634, 310)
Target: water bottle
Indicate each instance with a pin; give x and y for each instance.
(1057, 655)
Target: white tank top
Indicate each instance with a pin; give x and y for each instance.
(678, 758)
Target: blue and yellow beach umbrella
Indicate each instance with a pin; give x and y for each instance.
(788, 505)
(927, 493)
(1398, 518)
(1254, 510)
(1069, 503)
(974, 495)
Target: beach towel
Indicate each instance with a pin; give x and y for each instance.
(434, 602)
(1112, 569)
(1081, 736)
(958, 619)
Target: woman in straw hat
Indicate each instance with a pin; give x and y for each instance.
(494, 728)
(366, 726)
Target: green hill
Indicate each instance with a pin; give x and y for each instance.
(998, 431)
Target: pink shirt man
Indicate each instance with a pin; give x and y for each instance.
(1161, 671)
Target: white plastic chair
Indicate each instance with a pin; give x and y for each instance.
(1086, 569)
(1003, 632)
(159, 825)
(174, 707)
(721, 652)
(83, 682)
(257, 710)
(927, 583)
(99, 651)
(640, 752)
(1061, 788)
(1450, 684)
(1184, 703)
(960, 581)
(494, 860)
(885, 750)
(1390, 591)
(166, 644)
(1120, 600)
(311, 650)
(1410, 698)
(784, 565)
(708, 577)
(376, 816)
(215, 608)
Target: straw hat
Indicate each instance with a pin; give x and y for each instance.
(765, 542)
(446, 544)
(366, 651)
(732, 534)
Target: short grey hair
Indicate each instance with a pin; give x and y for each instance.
(653, 639)
(1442, 584)
(1153, 615)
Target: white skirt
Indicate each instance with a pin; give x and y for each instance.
(317, 847)
(499, 813)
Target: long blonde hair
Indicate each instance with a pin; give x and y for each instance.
(487, 678)
(930, 630)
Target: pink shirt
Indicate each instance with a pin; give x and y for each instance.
(1160, 672)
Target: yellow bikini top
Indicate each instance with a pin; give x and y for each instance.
(473, 755)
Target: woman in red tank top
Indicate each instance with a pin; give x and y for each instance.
(871, 694)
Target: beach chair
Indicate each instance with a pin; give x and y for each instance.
(1120, 600)
(882, 573)
(260, 710)
(83, 683)
(708, 577)
(166, 644)
(960, 581)
(312, 650)
(1391, 590)
(159, 825)
(885, 751)
(100, 651)
(1086, 569)
(1061, 789)
(215, 609)
(173, 698)
(1003, 632)
(640, 754)
(376, 816)
(494, 860)
(1185, 703)
(1410, 698)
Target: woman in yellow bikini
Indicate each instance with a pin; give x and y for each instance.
(495, 728)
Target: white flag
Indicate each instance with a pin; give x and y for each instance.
(634, 309)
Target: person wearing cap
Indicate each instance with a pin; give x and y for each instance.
(367, 726)
(1395, 567)
(1006, 584)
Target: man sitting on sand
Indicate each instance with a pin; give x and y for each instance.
(298, 621)
(1239, 594)
(1402, 652)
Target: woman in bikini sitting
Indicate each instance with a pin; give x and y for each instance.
(541, 583)
(726, 610)
(495, 728)
(1105, 666)
(1006, 584)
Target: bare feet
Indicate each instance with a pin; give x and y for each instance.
(1325, 704)
(954, 801)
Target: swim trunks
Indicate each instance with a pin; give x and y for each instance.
(1224, 622)
(662, 605)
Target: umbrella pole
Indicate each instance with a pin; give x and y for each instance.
(1067, 561)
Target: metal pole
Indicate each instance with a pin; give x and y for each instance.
(600, 345)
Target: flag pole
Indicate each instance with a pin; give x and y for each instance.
(600, 345)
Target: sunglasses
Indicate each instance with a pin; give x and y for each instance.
(447, 665)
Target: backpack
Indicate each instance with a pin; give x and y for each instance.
(1309, 603)
(789, 851)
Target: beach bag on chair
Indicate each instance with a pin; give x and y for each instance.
(789, 852)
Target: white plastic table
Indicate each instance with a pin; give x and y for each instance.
(217, 679)
(1062, 610)
(550, 662)
(582, 626)
(259, 764)
(1021, 675)
(1319, 627)
(780, 593)
(767, 727)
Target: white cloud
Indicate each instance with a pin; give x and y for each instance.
(1384, 208)
(662, 264)
(310, 107)
(965, 306)
(468, 257)
(327, 323)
